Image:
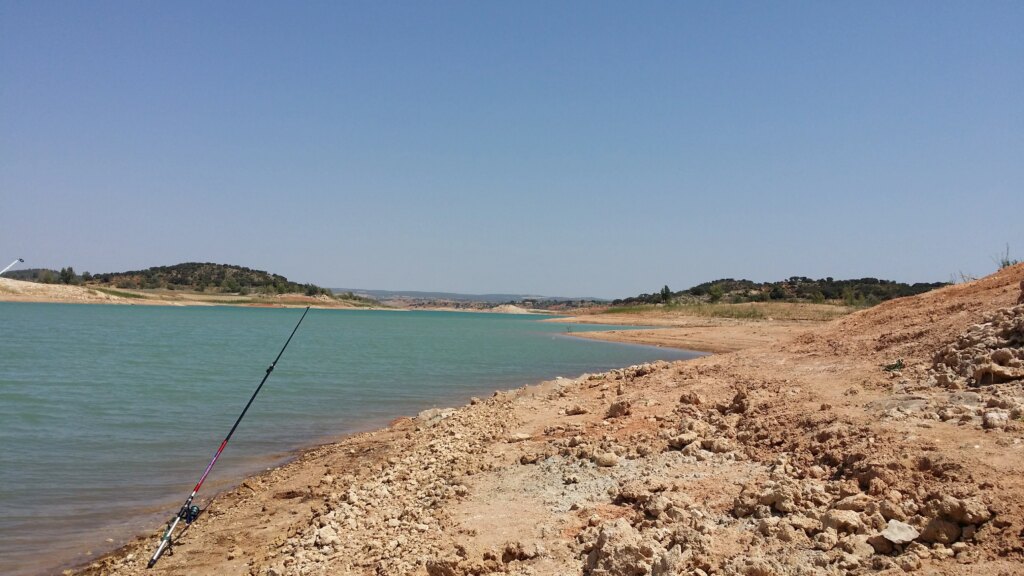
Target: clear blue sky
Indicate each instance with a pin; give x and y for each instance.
(557, 148)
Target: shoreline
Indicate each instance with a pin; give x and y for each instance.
(32, 292)
(712, 335)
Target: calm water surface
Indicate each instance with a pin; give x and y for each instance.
(109, 414)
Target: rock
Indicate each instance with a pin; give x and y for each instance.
(576, 410)
(739, 405)
(843, 521)
(717, 445)
(671, 562)
(516, 551)
(619, 551)
(892, 511)
(755, 566)
(899, 532)
(961, 511)
(826, 539)
(442, 568)
(881, 544)
(972, 511)
(908, 562)
(531, 458)
(808, 525)
(327, 536)
(619, 408)
(691, 398)
(606, 459)
(518, 437)
(995, 420)
(634, 491)
(657, 505)
(857, 503)
(781, 497)
(874, 522)
(434, 415)
(857, 546)
(682, 440)
(968, 532)
(940, 531)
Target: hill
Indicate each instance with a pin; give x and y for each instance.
(44, 275)
(204, 276)
(854, 292)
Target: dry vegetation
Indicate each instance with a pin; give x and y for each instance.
(743, 311)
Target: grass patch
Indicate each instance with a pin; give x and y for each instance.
(638, 309)
(119, 293)
(743, 311)
(362, 303)
(227, 300)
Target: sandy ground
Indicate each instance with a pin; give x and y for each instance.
(704, 334)
(800, 454)
(20, 291)
(678, 329)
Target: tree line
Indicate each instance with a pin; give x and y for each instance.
(196, 276)
(854, 292)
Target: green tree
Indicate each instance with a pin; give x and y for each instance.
(715, 292)
(666, 294)
(67, 275)
(850, 297)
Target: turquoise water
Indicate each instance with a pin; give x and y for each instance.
(109, 414)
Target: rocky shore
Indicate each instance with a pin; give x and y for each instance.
(888, 441)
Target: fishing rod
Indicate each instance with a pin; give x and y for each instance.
(188, 511)
(12, 264)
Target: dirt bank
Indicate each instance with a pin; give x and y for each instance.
(20, 291)
(867, 445)
(710, 328)
(707, 335)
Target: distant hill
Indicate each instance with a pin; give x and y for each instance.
(861, 291)
(412, 295)
(197, 276)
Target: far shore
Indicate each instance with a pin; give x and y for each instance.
(709, 333)
(21, 291)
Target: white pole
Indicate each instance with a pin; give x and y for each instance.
(11, 264)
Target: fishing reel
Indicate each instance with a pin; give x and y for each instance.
(189, 514)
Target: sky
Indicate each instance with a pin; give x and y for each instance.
(555, 148)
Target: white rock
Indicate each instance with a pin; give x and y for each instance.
(900, 532)
(995, 419)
